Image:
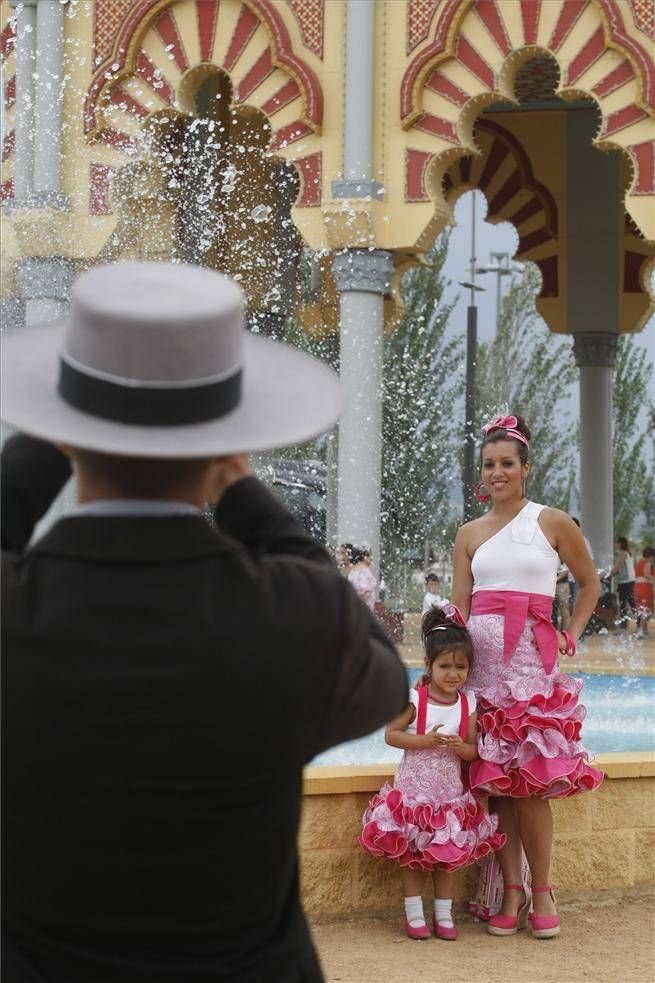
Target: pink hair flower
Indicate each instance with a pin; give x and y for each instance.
(504, 422)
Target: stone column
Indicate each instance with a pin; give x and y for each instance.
(47, 109)
(24, 126)
(595, 355)
(358, 123)
(362, 278)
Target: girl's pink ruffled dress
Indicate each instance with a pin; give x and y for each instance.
(428, 819)
(529, 717)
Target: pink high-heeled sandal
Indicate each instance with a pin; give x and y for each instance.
(544, 926)
(510, 924)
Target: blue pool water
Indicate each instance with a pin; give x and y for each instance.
(620, 717)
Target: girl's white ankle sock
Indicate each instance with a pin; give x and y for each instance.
(414, 911)
(443, 911)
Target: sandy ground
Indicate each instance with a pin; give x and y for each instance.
(609, 942)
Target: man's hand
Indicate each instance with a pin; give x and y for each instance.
(226, 472)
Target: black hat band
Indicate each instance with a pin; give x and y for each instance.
(148, 406)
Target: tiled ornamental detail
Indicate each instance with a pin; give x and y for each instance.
(107, 16)
(310, 17)
(643, 12)
(419, 18)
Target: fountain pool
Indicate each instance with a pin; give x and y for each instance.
(620, 717)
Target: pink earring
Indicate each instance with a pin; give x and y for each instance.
(479, 494)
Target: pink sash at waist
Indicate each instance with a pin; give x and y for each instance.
(516, 606)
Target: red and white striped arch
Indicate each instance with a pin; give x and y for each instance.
(476, 47)
(159, 41)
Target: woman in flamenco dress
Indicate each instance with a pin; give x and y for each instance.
(529, 717)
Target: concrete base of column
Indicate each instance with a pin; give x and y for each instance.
(595, 355)
(46, 283)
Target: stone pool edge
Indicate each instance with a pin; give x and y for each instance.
(337, 779)
(604, 841)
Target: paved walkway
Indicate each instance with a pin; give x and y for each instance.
(612, 941)
(617, 652)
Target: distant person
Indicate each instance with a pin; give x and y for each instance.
(151, 800)
(344, 558)
(432, 596)
(362, 577)
(624, 568)
(572, 581)
(644, 580)
(562, 606)
(428, 821)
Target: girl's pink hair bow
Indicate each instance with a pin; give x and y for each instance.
(508, 423)
(453, 616)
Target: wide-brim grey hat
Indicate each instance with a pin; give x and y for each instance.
(154, 361)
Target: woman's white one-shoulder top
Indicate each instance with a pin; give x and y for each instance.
(518, 557)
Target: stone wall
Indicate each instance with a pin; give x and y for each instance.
(604, 840)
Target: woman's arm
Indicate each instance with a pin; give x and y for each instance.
(619, 562)
(395, 734)
(648, 572)
(573, 551)
(462, 576)
(467, 750)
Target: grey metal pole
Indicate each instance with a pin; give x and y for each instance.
(470, 399)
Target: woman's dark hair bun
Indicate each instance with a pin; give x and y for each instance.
(522, 427)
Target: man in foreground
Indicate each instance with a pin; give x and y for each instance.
(164, 682)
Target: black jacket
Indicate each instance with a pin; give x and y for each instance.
(163, 685)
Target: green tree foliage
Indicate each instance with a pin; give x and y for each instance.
(529, 371)
(421, 433)
(634, 484)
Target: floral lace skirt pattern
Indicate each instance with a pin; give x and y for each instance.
(428, 819)
(529, 721)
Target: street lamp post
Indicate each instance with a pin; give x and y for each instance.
(500, 265)
(471, 364)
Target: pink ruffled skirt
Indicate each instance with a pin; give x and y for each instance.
(529, 722)
(428, 820)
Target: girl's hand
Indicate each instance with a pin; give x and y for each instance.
(455, 742)
(433, 738)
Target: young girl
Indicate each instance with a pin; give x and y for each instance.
(428, 821)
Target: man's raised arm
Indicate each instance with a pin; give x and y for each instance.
(33, 474)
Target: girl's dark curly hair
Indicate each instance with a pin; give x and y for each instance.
(446, 638)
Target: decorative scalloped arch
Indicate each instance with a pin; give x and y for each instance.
(596, 57)
(519, 199)
(298, 83)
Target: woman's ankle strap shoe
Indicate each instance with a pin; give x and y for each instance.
(417, 931)
(544, 926)
(510, 924)
(448, 932)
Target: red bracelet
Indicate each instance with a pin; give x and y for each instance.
(571, 648)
